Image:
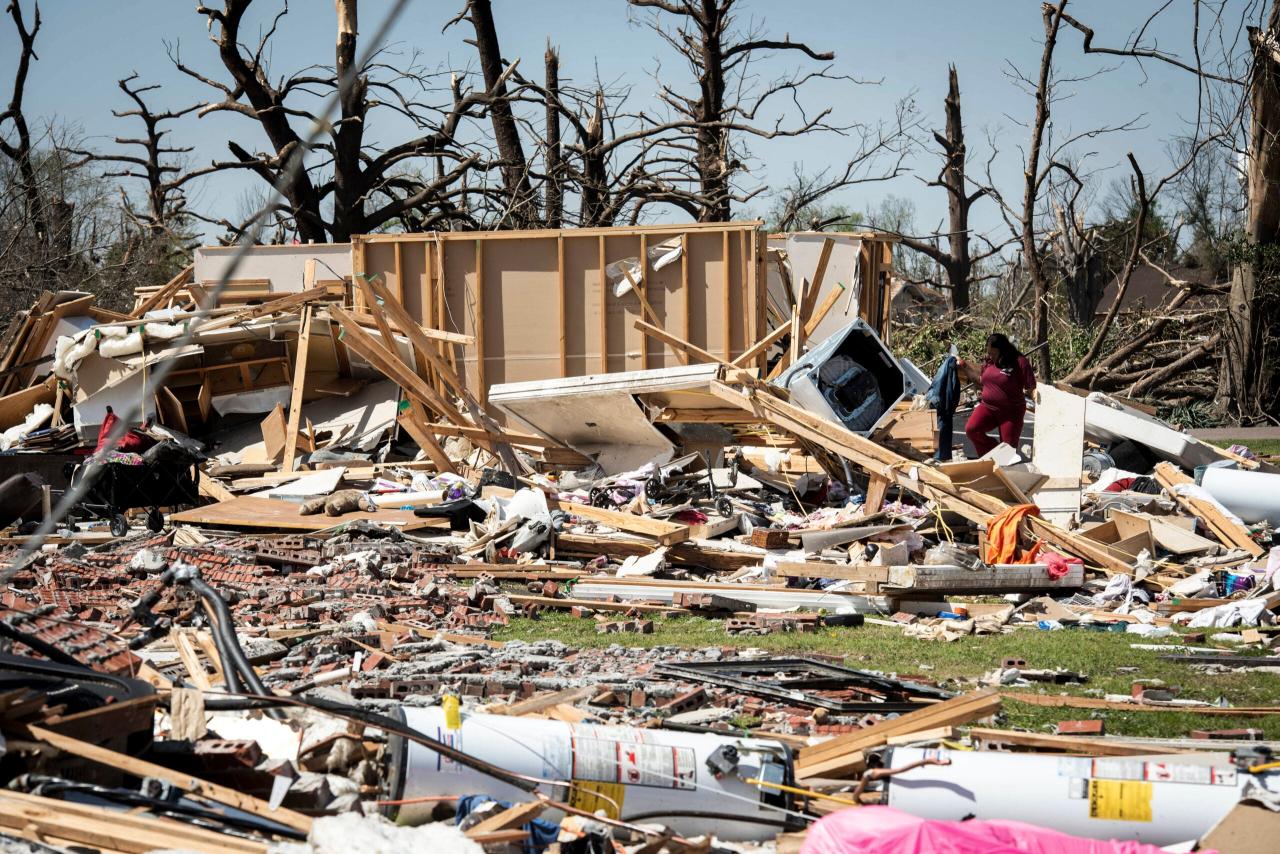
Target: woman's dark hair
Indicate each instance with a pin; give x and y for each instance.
(1006, 354)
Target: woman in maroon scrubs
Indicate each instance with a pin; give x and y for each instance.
(1007, 378)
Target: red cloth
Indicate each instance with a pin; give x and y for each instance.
(1005, 390)
(985, 419)
(1120, 485)
(132, 442)
(104, 432)
(1057, 565)
(885, 830)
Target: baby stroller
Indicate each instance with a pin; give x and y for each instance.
(162, 477)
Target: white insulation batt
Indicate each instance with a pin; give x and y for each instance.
(39, 415)
(347, 833)
(113, 341)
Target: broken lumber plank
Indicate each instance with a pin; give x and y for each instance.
(843, 755)
(1068, 743)
(640, 607)
(539, 702)
(511, 817)
(666, 533)
(186, 782)
(679, 344)
(1232, 534)
(820, 314)
(294, 422)
(810, 297)
(1071, 702)
(818, 569)
(762, 345)
(285, 303)
(69, 824)
(166, 291)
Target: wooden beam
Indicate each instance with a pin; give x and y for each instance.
(684, 283)
(167, 290)
(677, 344)
(1229, 532)
(564, 315)
(762, 345)
(511, 817)
(284, 303)
(397, 371)
(876, 489)
(810, 296)
(604, 308)
(824, 309)
(186, 782)
(724, 284)
(414, 423)
(1070, 743)
(421, 344)
(639, 288)
(844, 755)
(389, 362)
(539, 702)
(67, 824)
(481, 377)
(295, 397)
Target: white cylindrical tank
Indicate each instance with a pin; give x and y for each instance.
(1157, 800)
(651, 775)
(1254, 496)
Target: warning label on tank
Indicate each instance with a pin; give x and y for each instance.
(593, 796)
(1120, 800)
(634, 764)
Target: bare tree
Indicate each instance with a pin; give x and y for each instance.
(20, 150)
(552, 151)
(1035, 176)
(1239, 99)
(367, 186)
(719, 56)
(506, 133)
(957, 261)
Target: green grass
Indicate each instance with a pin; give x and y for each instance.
(1098, 655)
(1261, 447)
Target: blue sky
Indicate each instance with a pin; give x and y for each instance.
(84, 47)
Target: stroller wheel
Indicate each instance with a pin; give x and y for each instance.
(119, 525)
(155, 520)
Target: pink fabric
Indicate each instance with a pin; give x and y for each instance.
(1058, 565)
(884, 830)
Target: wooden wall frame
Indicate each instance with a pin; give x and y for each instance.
(540, 306)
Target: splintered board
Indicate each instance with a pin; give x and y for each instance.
(250, 511)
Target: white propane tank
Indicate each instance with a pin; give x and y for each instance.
(1159, 800)
(651, 775)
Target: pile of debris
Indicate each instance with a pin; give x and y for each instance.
(255, 630)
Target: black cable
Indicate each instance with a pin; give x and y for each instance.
(226, 650)
(46, 786)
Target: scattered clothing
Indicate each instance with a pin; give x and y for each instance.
(944, 396)
(1002, 536)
